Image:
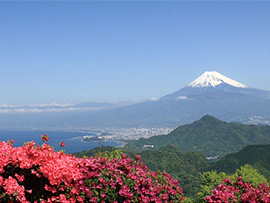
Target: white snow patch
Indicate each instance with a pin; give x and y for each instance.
(213, 78)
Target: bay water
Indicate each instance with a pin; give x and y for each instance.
(73, 140)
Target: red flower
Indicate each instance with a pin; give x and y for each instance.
(45, 138)
(62, 144)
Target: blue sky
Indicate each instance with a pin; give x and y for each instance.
(72, 52)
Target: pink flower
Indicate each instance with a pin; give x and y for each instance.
(98, 178)
(138, 157)
(20, 178)
(11, 142)
(103, 195)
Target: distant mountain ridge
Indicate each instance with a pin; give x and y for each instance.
(209, 136)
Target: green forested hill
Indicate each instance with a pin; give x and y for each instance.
(257, 156)
(208, 136)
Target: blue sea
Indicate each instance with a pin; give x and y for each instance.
(73, 140)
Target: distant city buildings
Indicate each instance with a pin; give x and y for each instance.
(115, 134)
(134, 133)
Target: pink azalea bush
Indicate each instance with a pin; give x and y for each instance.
(239, 191)
(39, 174)
(129, 178)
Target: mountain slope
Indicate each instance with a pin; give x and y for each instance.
(209, 136)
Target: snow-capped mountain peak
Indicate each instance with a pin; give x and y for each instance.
(213, 78)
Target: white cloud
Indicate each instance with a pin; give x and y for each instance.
(154, 99)
(6, 106)
(5, 109)
(182, 97)
(50, 105)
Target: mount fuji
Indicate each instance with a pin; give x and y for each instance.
(212, 81)
(212, 93)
